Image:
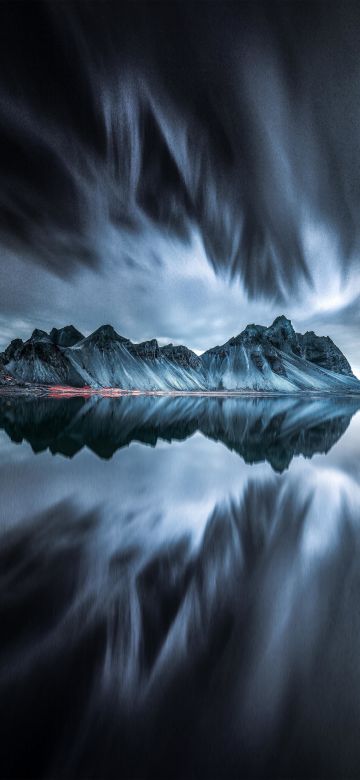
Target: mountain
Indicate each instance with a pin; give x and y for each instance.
(277, 358)
(259, 429)
(268, 359)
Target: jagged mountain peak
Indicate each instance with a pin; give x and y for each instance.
(253, 328)
(282, 335)
(39, 335)
(252, 332)
(181, 355)
(281, 326)
(278, 334)
(105, 330)
(103, 335)
(145, 349)
(66, 336)
(281, 320)
(62, 337)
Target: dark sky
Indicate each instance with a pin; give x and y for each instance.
(180, 169)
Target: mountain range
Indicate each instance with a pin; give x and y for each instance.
(264, 359)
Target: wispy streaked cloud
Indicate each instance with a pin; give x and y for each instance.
(182, 170)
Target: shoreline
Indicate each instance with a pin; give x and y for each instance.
(63, 391)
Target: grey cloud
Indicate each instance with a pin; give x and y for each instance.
(234, 118)
(128, 129)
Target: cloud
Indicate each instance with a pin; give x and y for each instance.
(179, 170)
(237, 120)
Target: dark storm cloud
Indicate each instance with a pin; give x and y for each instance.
(239, 119)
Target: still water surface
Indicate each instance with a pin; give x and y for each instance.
(179, 587)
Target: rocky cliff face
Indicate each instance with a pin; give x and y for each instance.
(322, 351)
(65, 337)
(273, 359)
(182, 356)
(146, 350)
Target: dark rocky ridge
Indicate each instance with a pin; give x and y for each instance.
(322, 351)
(65, 337)
(13, 351)
(103, 336)
(181, 355)
(146, 350)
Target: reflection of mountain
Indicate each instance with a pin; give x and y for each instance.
(258, 429)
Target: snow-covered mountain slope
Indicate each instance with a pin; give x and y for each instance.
(44, 363)
(274, 359)
(106, 359)
(278, 359)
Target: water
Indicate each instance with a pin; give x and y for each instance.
(179, 587)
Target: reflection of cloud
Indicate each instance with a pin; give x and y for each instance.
(136, 645)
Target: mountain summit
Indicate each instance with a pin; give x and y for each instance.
(264, 359)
